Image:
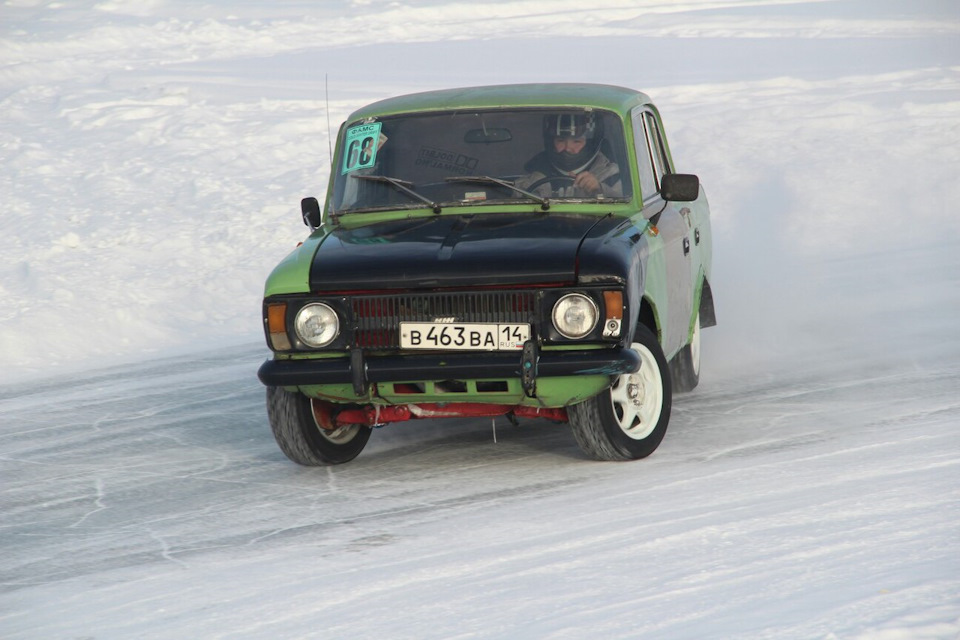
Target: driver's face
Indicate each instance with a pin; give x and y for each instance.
(569, 145)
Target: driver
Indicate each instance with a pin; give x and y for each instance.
(572, 156)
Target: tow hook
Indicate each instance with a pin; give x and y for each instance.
(528, 368)
(358, 369)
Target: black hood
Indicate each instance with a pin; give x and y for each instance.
(452, 251)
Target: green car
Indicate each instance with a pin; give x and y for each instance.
(522, 250)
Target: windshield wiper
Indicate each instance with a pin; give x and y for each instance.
(403, 186)
(544, 202)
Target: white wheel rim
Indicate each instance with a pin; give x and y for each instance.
(340, 435)
(637, 398)
(695, 346)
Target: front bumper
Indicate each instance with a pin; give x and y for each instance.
(360, 370)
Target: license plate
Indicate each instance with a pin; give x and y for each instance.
(468, 336)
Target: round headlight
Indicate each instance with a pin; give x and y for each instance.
(575, 315)
(317, 325)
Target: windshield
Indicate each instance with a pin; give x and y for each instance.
(480, 157)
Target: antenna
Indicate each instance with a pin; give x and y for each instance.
(326, 91)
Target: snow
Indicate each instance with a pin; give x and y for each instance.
(152, 157)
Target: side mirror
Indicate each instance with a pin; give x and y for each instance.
(680, 187)
(310, 209)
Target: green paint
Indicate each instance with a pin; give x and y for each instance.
(598, 96)
(340, 393)
(356, 220)
(292, 275)
(551, 392)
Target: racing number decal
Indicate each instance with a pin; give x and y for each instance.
(361, 148)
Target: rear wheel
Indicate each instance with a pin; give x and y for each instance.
(628, 420)
(685, 366)
(300, 436)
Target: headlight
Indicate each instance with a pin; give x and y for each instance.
(574, 315)
(317, 325)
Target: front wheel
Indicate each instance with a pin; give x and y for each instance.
(628, 420)
(300, 436)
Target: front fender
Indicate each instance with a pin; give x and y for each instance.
(617, 252)
(292, 274)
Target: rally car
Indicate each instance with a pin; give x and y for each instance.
(525, 250)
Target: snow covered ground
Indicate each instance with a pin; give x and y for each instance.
(152, 158)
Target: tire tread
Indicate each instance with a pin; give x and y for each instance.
(292, 423)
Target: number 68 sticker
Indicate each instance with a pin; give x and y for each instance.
(360, 144)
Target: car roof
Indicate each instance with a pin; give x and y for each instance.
(599, 96)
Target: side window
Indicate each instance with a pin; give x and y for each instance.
(648, 181)
(655, 141)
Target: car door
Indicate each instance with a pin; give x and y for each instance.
(674, 230)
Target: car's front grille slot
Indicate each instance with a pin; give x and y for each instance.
(378, 317)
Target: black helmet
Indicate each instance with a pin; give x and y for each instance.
(572, 125)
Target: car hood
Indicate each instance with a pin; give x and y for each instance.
(452, 251)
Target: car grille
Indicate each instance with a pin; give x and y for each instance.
(378, 317)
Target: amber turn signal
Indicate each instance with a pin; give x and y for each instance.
(277, 326)
(613, 310)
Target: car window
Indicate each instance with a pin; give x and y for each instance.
(648, 181)
(651, 154)
(407, 160)
(657, 151)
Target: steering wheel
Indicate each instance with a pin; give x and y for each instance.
(536, 183)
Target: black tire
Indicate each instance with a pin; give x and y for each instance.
(302, 440)
(628, 420)
(685, 366)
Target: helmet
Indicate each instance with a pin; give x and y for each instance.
(572, 125)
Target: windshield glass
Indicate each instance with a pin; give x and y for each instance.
(481, 157)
